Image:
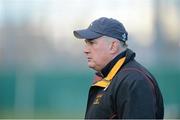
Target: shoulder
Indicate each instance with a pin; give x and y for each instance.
(136, 76)
(134, 70)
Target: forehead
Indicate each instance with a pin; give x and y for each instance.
(94, 40)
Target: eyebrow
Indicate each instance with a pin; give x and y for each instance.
(89, 39)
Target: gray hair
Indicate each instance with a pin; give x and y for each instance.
(122, 45)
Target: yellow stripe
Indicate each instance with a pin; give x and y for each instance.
(102, 83)
(106, 81)
(115, 68)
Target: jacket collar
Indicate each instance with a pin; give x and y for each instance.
(110, 70)
(109, 66)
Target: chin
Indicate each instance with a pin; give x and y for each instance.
(91, 65)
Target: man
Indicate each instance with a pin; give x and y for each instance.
(123, 88)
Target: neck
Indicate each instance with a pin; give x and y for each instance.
(111, 63)
(119, 52)
(111, 58)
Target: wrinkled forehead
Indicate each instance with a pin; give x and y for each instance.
(99, 41)
(93, 40)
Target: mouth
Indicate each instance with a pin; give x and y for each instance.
(89, 59)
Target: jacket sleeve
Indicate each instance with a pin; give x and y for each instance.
(135, 98)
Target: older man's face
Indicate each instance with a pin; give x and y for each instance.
(97, 52)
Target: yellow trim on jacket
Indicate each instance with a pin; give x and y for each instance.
(107, 80)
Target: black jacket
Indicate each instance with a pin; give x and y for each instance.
(132, 93)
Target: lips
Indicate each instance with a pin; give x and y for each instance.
(89, 59)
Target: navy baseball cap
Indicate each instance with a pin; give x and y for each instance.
(103, 27)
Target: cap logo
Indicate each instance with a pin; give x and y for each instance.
(124, 36)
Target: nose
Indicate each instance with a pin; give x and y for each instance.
(86, 49)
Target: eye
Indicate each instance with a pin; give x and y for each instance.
(91, 42)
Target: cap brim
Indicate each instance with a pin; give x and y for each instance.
(86, 34)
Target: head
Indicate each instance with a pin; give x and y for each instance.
(104, 39)
(101, 51)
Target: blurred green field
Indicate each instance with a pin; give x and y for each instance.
(63, 93)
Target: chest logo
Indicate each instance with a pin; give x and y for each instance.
(97, 99)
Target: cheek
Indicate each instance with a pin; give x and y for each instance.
(99, 50)
(101, 55)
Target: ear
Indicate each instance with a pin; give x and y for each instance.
(114, 47)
